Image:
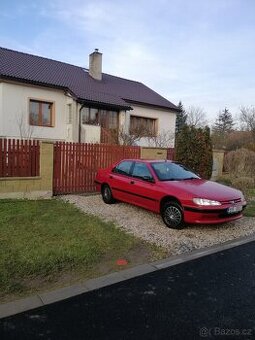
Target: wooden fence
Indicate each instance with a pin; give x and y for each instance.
(76, 165)
(171, 153)
(19, 158)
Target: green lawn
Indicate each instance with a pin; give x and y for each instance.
(51, 243)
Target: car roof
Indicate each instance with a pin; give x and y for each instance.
(147, 160)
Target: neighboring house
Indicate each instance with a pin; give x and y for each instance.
(47, 99)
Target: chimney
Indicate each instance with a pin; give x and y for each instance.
(95, 65)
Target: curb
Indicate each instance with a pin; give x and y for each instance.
(42, 299)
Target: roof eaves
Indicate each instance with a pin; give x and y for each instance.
(33, 82)
(96, 103)
(175, 108)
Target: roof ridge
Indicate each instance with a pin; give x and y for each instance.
(76, 79)
(63, 62)
(39, 56)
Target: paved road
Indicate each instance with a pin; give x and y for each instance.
(211, 297)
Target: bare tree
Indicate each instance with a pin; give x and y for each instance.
(26, 130)
(247, 118)
(196, 117)
(163, 140)
(133, 136)
(127, 139)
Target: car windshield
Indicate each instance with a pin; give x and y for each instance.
(168, 171)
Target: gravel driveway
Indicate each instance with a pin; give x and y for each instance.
(149, 226)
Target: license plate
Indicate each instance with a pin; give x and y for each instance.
(234, 209)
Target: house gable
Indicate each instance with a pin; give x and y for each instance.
(111, 90)
(28, 81)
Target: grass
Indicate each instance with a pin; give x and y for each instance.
(250, 209)
(249, 192)
(43, 243)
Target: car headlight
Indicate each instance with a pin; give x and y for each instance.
(204, 201)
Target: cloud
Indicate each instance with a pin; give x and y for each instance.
(198, 51)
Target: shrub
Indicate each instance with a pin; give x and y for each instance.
(240, 163)
(245, 184)
(194, 149)
(224, 180)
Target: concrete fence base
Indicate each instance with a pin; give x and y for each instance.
(42, 186)
(31, 187)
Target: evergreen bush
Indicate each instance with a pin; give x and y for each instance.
(194, 149)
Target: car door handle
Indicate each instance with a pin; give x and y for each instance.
(111, 176)
(132, 182)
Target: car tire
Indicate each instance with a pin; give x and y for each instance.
(107, 194)
(172, 215)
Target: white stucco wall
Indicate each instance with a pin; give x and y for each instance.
(166, 120)
(90, 133)
(15, 108)
(1, 109)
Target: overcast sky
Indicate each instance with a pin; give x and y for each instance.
(199, 51)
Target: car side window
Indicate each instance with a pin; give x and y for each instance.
(123, 168)
(141, 171)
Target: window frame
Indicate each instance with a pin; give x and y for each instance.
(69, 114)
(153, 133)
(101, 112)
(52, 112)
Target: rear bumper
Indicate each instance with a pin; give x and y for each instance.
(199, 216)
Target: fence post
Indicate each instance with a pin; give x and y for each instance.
(46, 167)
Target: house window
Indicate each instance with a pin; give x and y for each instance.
(69, 114)
(143, 126)
(113, 120)
(40, 113)
(90, 116)
(105, 118)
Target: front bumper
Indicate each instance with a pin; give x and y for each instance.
(210, 216)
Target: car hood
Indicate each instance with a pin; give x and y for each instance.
(204, 189)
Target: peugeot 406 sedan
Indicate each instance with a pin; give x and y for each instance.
(169, 188)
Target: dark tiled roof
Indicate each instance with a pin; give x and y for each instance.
(110, 90)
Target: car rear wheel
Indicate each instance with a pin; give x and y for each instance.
(107, 194)
(172, 215)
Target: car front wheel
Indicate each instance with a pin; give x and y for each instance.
(172, 215)
(107, 194)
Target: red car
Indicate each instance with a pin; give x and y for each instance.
(172, 190)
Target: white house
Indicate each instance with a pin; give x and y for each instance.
(47, 99)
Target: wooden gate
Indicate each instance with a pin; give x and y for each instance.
(76, 164)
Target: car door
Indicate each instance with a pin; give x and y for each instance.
(143, 187)
(119, 180)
